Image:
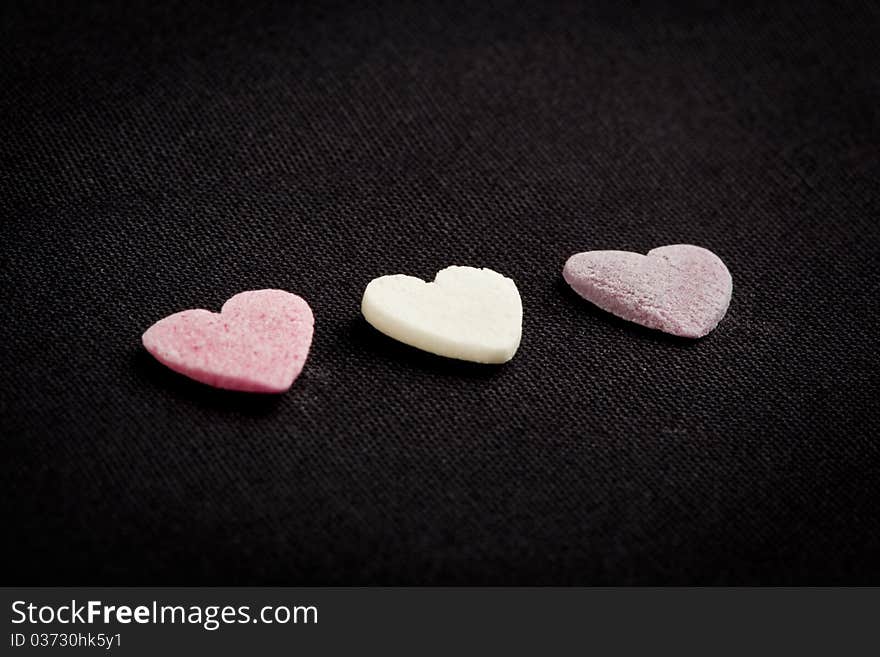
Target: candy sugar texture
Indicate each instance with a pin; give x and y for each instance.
(680, 289)
(257, 343)
(465, 313)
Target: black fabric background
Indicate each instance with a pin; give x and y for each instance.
(166, 155)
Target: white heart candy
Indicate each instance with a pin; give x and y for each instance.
(465, 313)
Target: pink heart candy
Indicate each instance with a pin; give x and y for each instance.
(680, 289)
(257, 343)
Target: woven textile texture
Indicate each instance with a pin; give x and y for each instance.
(157, 156)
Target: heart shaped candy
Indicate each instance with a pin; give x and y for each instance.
(465, 313)
(680, 289)
(257, 343)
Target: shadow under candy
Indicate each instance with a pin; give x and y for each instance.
(592, 312)
(370, 340)
(151, 371)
